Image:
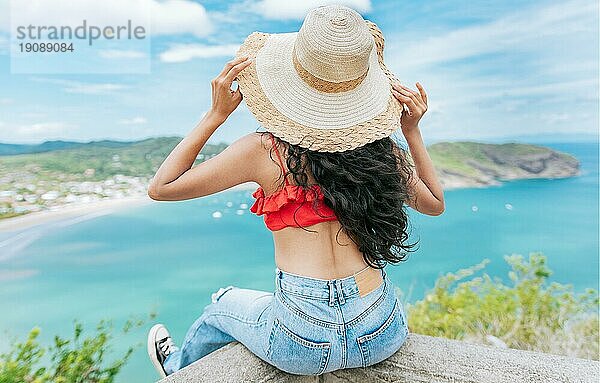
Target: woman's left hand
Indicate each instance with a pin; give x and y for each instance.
(224, 99)
(416, 103)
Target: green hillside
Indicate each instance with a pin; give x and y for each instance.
(14, 149)
(85, 172)
(107, 158)
(475, 163)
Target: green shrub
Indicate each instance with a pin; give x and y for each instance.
(79, 359)
(528, 314)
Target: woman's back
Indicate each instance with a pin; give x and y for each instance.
(321, 250)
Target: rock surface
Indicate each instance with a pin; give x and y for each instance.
(421, 359)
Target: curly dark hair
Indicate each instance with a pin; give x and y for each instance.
(367, 188)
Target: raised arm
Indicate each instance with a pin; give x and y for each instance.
(176, 179)
(427, 192)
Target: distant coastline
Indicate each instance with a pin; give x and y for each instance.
(78, 212)
(474, 164)
(61, 179)
(72, 210)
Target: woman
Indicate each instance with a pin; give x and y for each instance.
(333, 189)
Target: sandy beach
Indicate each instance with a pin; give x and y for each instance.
(59, 213)
(80, 212)
(18, 232)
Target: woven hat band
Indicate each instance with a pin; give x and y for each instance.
(324, 85)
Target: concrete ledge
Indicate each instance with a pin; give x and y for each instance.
(421, 359)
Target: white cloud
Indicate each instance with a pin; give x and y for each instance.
(547, 90)
(554, 118)
(43, 129)
(168, 17)
(5, 101)
(296, 10)
(500, 77)
(179, 16)
(133, 121)
(34, 115)
(185, 52)
(34, 131)
(95, 89)
(121, 54)
(518, 31)
(4, 15)
(83, 87)
(4, 44)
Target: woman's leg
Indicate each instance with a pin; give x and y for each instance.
(235, 314)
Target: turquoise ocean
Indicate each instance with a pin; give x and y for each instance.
(168, 257)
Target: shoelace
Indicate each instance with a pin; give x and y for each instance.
(167, 346)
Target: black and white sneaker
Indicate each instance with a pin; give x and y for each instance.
(160, 345)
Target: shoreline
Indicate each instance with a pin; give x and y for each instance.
(17, 233)
(68, 211)
(80, 212)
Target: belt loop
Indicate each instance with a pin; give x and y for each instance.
(331, 296)
(338, 288)
(277, 279)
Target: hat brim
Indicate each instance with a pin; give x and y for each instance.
(284, 104)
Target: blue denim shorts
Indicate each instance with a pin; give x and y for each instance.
(308, 326)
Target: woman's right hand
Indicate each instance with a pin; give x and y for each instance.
(224, 99)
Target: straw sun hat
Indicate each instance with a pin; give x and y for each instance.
(325, 87)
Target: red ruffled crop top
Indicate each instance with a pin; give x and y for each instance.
(291, 206)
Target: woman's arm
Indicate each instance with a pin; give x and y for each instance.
(427, 192)
(176, 179)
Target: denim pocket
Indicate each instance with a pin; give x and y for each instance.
(295, 354)
(386, 339)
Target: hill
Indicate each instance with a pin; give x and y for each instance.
(86, 172)
(473, 164)
(106, 158)
(48, 146)
(459, 164)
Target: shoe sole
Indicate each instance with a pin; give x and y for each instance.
(152, 350)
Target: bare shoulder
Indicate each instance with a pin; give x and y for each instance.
(248, 142)
(257, 142)
(248, 147)
(257, 147)
(252, 148)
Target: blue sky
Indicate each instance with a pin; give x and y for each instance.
(492, 69)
